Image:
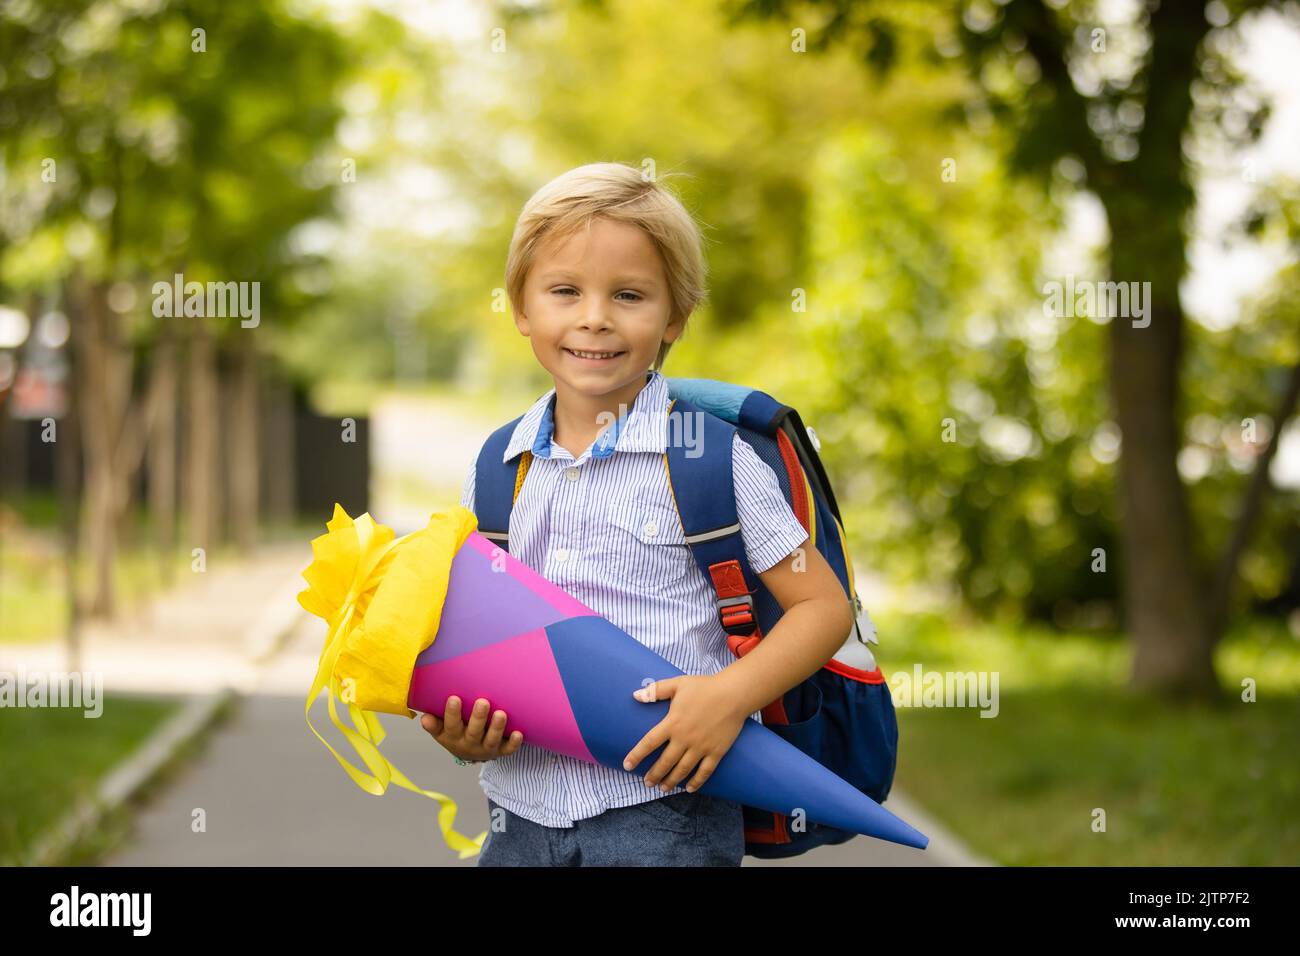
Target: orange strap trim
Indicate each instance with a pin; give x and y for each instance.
(728, 579)
(855, 673)
(798, 485)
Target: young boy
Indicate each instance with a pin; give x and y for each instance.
(603, 271)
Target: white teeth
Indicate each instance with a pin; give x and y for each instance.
(593, 355)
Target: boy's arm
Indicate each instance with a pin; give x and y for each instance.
(816, 622)
(817, 617)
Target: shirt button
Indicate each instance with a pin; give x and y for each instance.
(561, 554)
(651, 529)
(571, 474)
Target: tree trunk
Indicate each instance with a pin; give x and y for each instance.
(244, 471)
(1147, 201)
(1164, 589)
(201, 485)
(1252, 506)
(66, 461)
(277, 444)
(103, 394)
(162, 454)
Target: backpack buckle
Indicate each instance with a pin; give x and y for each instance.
(737, 614)
(735, 603)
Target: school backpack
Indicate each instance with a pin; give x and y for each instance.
(843, 715)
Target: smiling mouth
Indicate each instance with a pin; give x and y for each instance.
(594, 356)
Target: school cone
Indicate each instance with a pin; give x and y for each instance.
(446, 612)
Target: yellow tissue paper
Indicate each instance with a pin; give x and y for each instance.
(382, 598)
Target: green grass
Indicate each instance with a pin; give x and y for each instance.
(37, 508)
(54, 757)
(1180, 783)
(32, 605)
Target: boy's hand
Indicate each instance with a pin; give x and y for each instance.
(701, 726)
(476, 740)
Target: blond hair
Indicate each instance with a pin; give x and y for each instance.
(619, 192)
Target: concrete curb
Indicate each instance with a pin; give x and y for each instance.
(129, 777)
(266, 637)
(944, 844)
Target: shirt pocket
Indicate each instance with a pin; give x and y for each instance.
(645, 549)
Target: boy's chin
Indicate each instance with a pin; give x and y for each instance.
(598, 382)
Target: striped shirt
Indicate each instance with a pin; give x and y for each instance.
(605, 529)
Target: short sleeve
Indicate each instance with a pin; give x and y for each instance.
(467, 493)
(769, 527)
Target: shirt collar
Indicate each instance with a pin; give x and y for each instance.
(643, 428)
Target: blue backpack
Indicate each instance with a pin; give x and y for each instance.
(843, 715)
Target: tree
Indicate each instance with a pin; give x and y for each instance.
(184, 136)
(1029, 61)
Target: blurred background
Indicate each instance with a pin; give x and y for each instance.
(1101, 509)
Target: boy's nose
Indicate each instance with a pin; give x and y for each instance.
(596, 317)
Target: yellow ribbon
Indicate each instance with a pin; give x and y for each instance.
(382, 598)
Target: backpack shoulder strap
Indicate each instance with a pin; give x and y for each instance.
(778, 436)
(705, 495)
(759, 415)
(497, 484)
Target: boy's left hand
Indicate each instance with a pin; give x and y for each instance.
(701, 726)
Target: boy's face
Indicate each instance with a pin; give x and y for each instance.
(601, 290)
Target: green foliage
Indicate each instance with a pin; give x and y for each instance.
(1235, 377)
(922, 324)
(1188, 785)
(959, 415)
(814, 179)
(184, 137)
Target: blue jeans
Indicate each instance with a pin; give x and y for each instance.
(683, 829)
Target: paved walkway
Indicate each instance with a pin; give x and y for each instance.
(272, 795)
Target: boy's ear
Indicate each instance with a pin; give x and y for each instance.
(521, 323)
(675, 328)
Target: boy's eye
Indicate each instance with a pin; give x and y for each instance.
(636, 296)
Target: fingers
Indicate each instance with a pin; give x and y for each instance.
(655, 736)
(681, 771)
(478, 737)
(667, 761)
(657, 690)
(496, 730)
(477, 721)
(492, 740)
(456, 725)
(702, 774)
(451, 718)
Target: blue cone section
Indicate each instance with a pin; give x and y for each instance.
(601, 665)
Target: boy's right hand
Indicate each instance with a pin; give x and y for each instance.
(475, 740)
